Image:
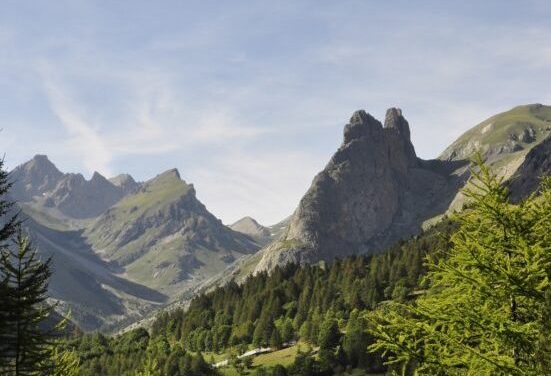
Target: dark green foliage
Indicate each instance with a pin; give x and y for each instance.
(544, 342)
(29, 328)
(356, 341)
(8, 228)
(275, 339)
(279, 370)
(487, 301)
(26, 345)
(320, 304)
(134, 351)
(330, 335)
(293, 300)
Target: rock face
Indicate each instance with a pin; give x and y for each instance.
(40, 182)
(251, 227)
(79, 198)
(528, 176)
(120, 248)
(164, 236)
(34, 178)
(126, 183)
(373, 192)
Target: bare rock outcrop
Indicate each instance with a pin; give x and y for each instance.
(536, 165)
(373, 192)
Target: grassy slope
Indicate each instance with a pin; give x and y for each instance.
(496, 130)
(284, 357)
(155, 196)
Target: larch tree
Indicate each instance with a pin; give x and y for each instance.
(485, 304)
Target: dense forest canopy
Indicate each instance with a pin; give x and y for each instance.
(293, 303)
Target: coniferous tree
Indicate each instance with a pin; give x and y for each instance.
(329, 336)
(9, 223)
(29, 346)
(356, 341)
(485, 305)
(63, 363)
(543, 354)
(275, 339)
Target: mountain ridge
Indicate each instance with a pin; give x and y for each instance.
(375, 191)
(152, 243)
(373, 187)
(122, 238)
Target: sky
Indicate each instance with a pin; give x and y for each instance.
(248, 99)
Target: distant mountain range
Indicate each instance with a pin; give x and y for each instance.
(123, 249)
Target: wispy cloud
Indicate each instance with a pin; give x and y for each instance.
(84, 140)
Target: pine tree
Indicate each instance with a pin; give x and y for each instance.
(329, 335)
(275, 339)
(28, 345)
(481, 314)
(8, 228)
(355, 340)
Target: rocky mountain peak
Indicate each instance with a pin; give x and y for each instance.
(169, 175)
(169, 179)
(513, 132)
(373, 191)
(98, 181)
(41, 161)
(122, 179)
(77, 197)
(96, 176)
(361, 125)
(34, 178)
(248, 225)
(395, 120)
(125, 182)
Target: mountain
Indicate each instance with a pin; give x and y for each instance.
(528, 176)
(121, 249)
(84, 284)
(34, 178)
(251, 227)
(125, 182)
(375, 191)
(79, 198)
(124, 249)
(516, 130)
(504, 141)
(40, 184)
(164, 236)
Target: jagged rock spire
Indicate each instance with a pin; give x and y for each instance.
(353, 204)
(361, 124)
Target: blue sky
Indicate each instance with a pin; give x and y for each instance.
(248, 98)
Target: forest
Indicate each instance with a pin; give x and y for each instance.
(319, 305)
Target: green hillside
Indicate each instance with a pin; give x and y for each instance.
(513, 131)
(164, 238)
